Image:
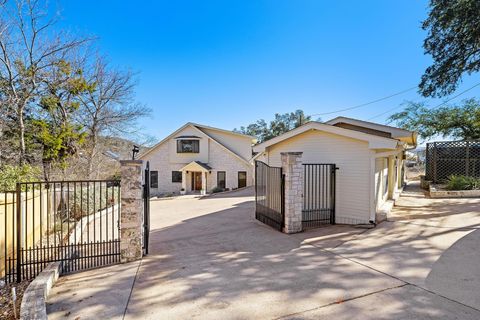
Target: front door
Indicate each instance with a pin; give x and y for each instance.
(196, 181)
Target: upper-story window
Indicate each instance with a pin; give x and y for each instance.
(188, 146)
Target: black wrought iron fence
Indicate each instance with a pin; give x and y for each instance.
(75, 222)
(452, 157)
(269, 195)
(318, 195)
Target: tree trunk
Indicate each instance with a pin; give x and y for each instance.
(91, 155)
(21, 126)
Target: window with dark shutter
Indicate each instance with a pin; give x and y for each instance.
(153, 179)
(176, 176)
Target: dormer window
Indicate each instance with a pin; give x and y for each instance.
(188, 146)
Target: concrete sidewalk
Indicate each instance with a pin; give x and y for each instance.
(101, 293)
(210, 259)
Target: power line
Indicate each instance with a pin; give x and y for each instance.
(365, 104)
(439, 105)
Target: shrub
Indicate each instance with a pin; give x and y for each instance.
(458, 182)
(10, 175)
(217, 190)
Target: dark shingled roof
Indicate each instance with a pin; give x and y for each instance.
(204, 165)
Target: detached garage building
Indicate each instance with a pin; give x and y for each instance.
(369, 158)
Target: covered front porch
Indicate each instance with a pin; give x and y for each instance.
(195, 177)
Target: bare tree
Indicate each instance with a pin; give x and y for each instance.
(110, 108)
(28, 47)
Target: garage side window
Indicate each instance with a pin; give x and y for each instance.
(176, 176)
(153, 179)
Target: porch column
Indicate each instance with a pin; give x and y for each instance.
(184, 180)
(292, 169)
(204, 183)
(131, 212)
(391, 176)
(400, 164)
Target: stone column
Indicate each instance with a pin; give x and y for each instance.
(292, 168)
(131, 213)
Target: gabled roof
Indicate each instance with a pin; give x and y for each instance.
(196, 127)
(410, 137)
(223, 130)
(194, 165)
(374, 141)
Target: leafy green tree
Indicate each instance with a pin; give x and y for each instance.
(55, 130)
(459, 122)
(29, 46)
(453, 41)
(280, 124)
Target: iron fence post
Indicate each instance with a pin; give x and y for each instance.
(256, 186)
(282, 197)
(19, 231)
(333, 192)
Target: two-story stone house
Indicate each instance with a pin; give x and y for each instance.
(197, 158)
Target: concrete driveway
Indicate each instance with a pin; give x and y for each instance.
(210, 259)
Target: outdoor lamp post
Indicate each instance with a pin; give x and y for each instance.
(135, 150)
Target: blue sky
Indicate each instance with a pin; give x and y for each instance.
(229, 63)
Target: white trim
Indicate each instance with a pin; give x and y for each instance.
(375, 142)
(194, 166)
(373, 195)
(223, 130)
(388, 153)
(397, 133)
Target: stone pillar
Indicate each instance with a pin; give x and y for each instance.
(292, 168)
(131, 213)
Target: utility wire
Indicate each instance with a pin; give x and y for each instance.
(439, 105)
(365, 104)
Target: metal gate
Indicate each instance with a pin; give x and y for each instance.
(146, 209)
(269, 195)
(318, 195)
(74, 222)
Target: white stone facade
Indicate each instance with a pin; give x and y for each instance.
(213, 153)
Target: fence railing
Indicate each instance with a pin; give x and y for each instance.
(318, 194)
(269, 195)
(452, 157)
(75, 222)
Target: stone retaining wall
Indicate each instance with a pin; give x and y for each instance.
(33, 303)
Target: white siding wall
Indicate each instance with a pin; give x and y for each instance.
(165, 159)
(220, 160)
(238, 144)
(353, 178)
(160, 161)
(189, 157)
